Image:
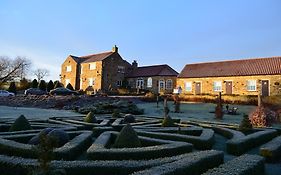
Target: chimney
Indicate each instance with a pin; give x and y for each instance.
(135, 64)
(115, 49)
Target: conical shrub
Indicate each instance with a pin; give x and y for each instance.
(21, 123)
(127, 138)
(168, 122)
(90, 118)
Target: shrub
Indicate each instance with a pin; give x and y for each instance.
(24, 84)
(50, 86)
(127, 138)
(36, 139)
(168, 122)
(69, 86)
(21, 123)
(245, 123)
(262, 117)
(116, 113)
(42, 85)
(129, 118)
(271, 150)
(57, 84)
(90, 118)
(60, 135)
(12, 87)
(34, 83)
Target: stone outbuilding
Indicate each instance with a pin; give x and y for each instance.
(233, 77)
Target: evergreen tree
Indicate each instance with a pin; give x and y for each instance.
(34, 83)
(42, 85)
(12, 87)
(245, 123)
(50, 86)
(57, 84)
(70, 87)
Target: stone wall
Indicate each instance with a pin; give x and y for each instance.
(239, 84)
(72, 75)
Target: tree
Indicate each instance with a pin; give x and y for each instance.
(57, 84)
(24, 84)
(11, 69)
(70, 87)
(12, 87)
(50, 86)
(42, 85)
(34, 83)
(41, 73)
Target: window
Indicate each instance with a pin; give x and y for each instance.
(121, 69)
(92, 66)
(169, 84)
(149, 82)
(188, 86)
(67, 81)
(91, 81)
(217, 86)
(140, 83)
(251, 85)
(119, 83)
(68, 68)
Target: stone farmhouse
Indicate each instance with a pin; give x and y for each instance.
(235, 77)
(108, 71)
(157, 78)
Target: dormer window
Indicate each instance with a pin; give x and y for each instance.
(92, 66)
(68, 68)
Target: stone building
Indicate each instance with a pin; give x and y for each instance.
(103, 71)
(157, 78)
(235, 77)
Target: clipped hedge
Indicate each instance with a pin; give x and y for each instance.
(193, 130)
(271, 150)
(100, 149)
(228, 133)
(74, 147)
(194, 164)
(239, 146)
(204, 141)
(243, 165)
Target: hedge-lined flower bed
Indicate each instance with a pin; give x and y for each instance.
(100, 151)
(193, 164)
(271, 150)
(243, 165)
(204, 141)
(239, 146)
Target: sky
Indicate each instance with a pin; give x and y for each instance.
(176, 33)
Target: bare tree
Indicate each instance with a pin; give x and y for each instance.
(41, 73)
(12, 69)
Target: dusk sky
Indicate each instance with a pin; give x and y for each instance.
(150, 31)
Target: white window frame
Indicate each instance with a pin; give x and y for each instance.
(188, 86)
(68, 68)
(140, 83)
(217, 86)
(92, 66)
(251, 85)
(91, 81)
(169, 86)
(149, 82)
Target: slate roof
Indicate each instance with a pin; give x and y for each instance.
(150, 71)
(92, 58)
(246, 67)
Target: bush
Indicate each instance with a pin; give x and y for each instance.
(60, 135)
(69, 86)
(116, 113)
(57, 84)
(34, 83)
(90, 118)
(21, 123)
(262, 117)
(50, 86)
(42, 85)
(271, 150)
(129, 118)
(127, 138)
(36, 139)
(168, 122)
(12, 87)
(245, 124)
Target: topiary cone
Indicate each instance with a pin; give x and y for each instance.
(21, 123)
(90, 118)
(127, 138)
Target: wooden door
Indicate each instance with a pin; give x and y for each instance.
(228, 87)
(265, 88)
(197, 88)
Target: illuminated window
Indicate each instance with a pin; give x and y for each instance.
(149, 82)
(188, 86)
(68, 68)
(92, 66)
(251, 85)
(217, 86)
(91, 81)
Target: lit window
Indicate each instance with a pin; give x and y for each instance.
(92, 66)
(251, 85)
(188, 86)
(169, 84)
(121, 69)
(67, 81)
(91, 81)
(149, 82)
(68, 68)
(217, 86)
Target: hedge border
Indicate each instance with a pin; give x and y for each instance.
(271, 150)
